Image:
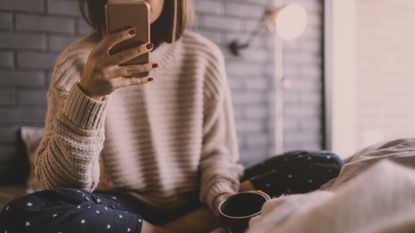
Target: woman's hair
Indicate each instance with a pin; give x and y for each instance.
(169, 27)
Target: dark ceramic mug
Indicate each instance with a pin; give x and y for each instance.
(238, 209)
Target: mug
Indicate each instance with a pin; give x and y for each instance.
(238, 209)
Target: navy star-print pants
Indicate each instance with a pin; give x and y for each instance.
(68, 210)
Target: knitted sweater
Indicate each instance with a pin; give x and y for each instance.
(165, 143)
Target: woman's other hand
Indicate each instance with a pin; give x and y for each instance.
(103, 74)
(219, 200)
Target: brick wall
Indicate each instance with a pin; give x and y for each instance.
(32, 33)
(251, 76)
(385, 71)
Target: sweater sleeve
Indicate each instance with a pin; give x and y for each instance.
(220, 168)
(68, 155)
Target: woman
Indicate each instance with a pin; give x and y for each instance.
(123, 153)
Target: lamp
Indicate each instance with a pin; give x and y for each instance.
(289, 21)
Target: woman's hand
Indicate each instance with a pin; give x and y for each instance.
(224, 196)
(218, 200)
(103, 74)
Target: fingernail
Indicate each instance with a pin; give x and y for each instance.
(155, 65)
(132, 32)
(149, 46)
(150, 79)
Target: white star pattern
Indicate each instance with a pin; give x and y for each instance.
(82, 221)
(108, 226)
(290, 176)
(129, 230)
(78, 207)
(27, 223)
(310, 181)
(29, 204)
(328, 157)
(99, 200)
(139, 220)
(89, 207)
(7, 208)
(87, 198)
(97, 211)
(120, 216)
(115, 198)
(78, 191)
(55, 215)
(106, 208)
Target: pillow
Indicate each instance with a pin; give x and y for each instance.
(31, 137)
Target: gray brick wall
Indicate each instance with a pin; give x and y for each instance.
(251, 75)
(33, 33)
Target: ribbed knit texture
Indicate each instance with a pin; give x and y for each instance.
(166, 143)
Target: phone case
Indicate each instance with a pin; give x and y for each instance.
(123, 15)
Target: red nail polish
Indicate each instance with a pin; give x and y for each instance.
(132, 32)
(155, 65)
(149, 46)
(150, 79)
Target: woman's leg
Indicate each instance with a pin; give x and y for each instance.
(202, 219)
(293, 172)
(71, 210)
(283, 174)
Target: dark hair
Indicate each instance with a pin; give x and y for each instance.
(169, 27)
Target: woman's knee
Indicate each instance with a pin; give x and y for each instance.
(67, 210)
(36, 207)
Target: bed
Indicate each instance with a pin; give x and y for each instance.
(374, 193)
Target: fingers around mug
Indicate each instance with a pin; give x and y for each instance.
(126, 55)
(109, 41)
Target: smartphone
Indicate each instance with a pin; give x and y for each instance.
(121, 15)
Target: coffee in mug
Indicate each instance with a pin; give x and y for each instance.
(238, 209)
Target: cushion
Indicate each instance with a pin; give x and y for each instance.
(9, 193)
(31, 137)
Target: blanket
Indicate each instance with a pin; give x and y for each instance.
(374, 193)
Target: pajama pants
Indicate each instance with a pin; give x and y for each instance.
(69, 210)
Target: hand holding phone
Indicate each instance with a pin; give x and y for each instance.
(125, 14)
(121, 58)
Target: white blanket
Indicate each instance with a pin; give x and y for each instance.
(367, 197)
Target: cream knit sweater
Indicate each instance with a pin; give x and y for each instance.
(165, 143)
